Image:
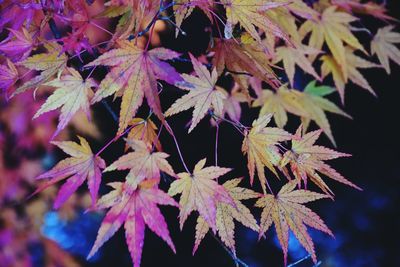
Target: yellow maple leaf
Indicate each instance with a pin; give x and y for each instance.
(313, 102)
(283, 16)
(200, 192)
(227, 213)
(259, 144)
(332, 28)
(203, 94)
(383, 45)
(136, 15)
(353, 63)
(72, 94)
(309, 105)
(249, 14)
(49, 64)
(296, 56)
(278, 103)
(285, 211)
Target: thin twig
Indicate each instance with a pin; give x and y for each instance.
(234, 257)
(169, 130)
(238, 126)
(299, 261)
(152, 22)
(110, 110)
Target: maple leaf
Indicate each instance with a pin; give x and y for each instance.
(8, 75)
(72, 94)
(75, 42)
(142, 163)
(200, 192)
(18, 46)
(283, 16)
(184, 8)
(300, 8)
(383, 46)
(239, 57)
(260, 146)
(368, 8)
(332, 28)
(296, 56)
(226, 215)
(232, 102)
(49, 64)
(309, 105)
(313, 102)
(133, 75)
(285, 211)
(307, 161)
(203, 94)
(278, 103)
(137, 17)
(82, 165)
(353, 63)
(287, 22)
(18, 14)
(249, 14)
(134, 207)
(144, 130)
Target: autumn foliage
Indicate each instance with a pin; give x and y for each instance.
(73, 56)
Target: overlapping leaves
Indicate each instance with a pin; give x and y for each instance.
(256, 40)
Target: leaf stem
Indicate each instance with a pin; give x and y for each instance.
(117, 137)
(216, 142)
(169, 129)
(238, 126)
(101, 28)
(150, 36)
(152, 22)
(158, 137)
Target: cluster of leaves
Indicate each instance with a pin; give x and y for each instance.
(257, 44)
